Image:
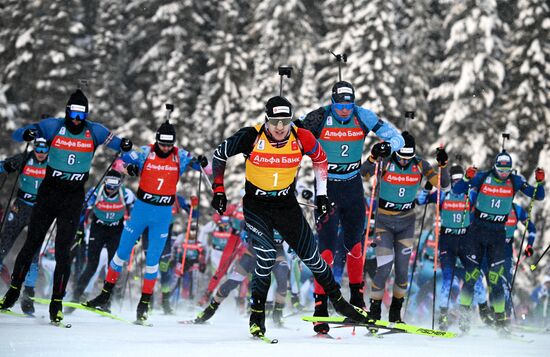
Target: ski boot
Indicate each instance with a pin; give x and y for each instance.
(501, 324)
(443, 319)
(101, 302)
(257, 317)
(464, 318)
(207, 313)
(295, 301)
(395, 310)
(321, 309)
(27, 304)
(56, 310)
(142, 311)
(486, 314)
(10, 298)
(375, 310)
(277, 314)
(344, 308)
(356, 295)
(166, 304)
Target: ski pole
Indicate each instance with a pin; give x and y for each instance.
(205, 176)
(369, 214)
(409, 288)
(3, 181)
(189, 220)
(8, 206)
(437, 224)
(307, 205)
(531, 204)
(533, 267)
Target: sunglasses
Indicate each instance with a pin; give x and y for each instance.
(41, 150)
(343, 106)
(275, 121)
(76, 115)
(165, 145)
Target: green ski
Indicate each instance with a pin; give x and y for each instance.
(12, 313)
(392, 326)
(82, 307)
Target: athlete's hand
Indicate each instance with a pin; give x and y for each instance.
(539, 174)
(203, 161)
(441, 157)
(219, 202)
(529, 250)
(126, 144)
(323, 205)
(470, 172)
(29, 135)
(194, 201)
(10, 166)
(381, 150)
(132, 170)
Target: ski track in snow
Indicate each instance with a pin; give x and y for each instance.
(227, 335)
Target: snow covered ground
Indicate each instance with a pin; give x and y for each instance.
(227, 335)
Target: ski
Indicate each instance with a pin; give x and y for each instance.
(326, 336)
(192, 322)
(82, 307)
(12, 313)
(265, 339)
(60, 324)
(397, 327)
(142, 323)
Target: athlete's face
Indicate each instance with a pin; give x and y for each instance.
(343, 110)
(165, 148)
(41, 156)
(279, 130)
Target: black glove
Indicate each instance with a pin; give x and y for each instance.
(219, 202)
(133, 170)
(381, 150)
(323, 205)
(203, 161)
(307, 194)
(10, 166)
(126, 144)
(428, 186)
(442, 157)
(29, 135)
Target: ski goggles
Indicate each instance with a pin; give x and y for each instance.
(503, 172)
(343, 106)
(41, 149)
(112, 184)
(274, 121)
(77, 115)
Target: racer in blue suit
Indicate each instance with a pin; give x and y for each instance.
(73, 141)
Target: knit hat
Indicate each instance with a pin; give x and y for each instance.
(343, 92)
(113, 179)
(409, 150)
(278, 107)
(77, 103)
(166, 134)
(456, 172)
